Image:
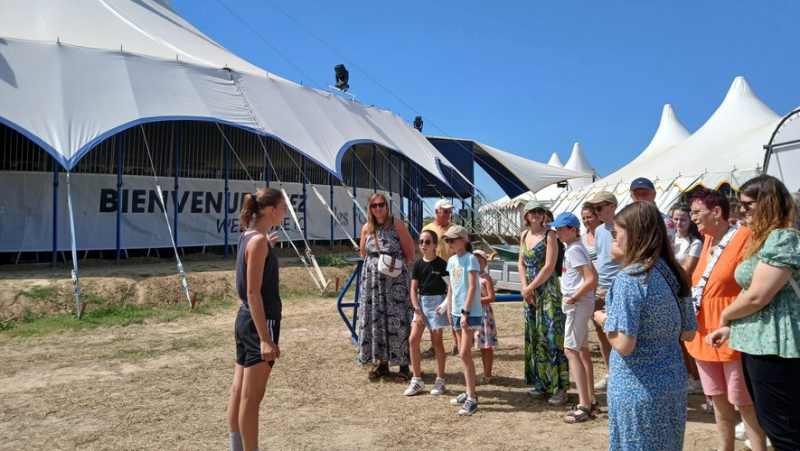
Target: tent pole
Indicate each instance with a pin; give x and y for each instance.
(266, 168)
(55, 213)
(119, 196)
(402, 209)
(330, 181)
(374, 176)
(355, 194)
(176, 136)
(391, 201)
(304, 162)
(226, 195)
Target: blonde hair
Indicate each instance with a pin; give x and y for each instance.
(372, 223)
(776, 210)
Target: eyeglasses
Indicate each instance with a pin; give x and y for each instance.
(696, 213)
(601, 206)
(451, 240)
(747, 205)
(425, 242)
(375, 205)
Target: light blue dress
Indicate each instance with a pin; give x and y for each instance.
(647, 389)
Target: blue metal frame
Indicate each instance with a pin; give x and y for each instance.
(119, 197)
(355, 195)
(340, 306)
(55, 213)
(176, 130)
(305, 199)
(330, 180)
(227, 194)
(374, 176)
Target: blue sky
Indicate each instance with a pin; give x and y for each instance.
(527, 77)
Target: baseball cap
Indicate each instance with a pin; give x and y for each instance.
(533, 205)
(566, 219)
(642, 183)
(480, 253)
(443, 204)
(456, 231)
(603, 196)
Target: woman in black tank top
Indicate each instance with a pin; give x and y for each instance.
(258, 321)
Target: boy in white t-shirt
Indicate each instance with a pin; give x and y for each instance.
(577, 286)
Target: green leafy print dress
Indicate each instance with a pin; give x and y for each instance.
(546, 365)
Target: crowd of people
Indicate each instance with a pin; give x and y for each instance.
(694, 301)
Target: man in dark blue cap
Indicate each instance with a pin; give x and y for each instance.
(642, 189)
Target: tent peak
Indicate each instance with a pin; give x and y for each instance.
(555, 160)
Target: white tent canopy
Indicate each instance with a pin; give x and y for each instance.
(74, 73)
(578, 162)
(783, 153)
(555, 161)
(726, 149)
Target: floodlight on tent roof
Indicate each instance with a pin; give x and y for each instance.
(418, 123)
(342, 78)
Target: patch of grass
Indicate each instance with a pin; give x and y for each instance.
(122, 315)
(40, 292)
(192, 343)
(333, 260)
(136, 353)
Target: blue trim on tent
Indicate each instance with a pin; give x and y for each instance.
(47, 148)
(509, 183)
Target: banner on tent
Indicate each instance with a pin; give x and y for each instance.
(26, 212)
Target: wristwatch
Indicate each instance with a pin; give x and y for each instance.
(464, 312)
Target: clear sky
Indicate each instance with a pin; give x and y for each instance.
(528, 77)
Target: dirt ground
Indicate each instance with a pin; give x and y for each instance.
(165, 385)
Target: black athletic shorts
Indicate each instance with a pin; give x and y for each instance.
(248, 343)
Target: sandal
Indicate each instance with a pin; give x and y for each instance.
(382, 370)
(404, 375)
(582, 417)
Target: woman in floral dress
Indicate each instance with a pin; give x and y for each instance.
(546, 364)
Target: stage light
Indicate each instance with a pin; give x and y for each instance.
(418, 123)
(563, 184)
(342, 77)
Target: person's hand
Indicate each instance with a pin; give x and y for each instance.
(463, 321)
(600, 317)
(718, 337)
(527, 292)
(417, 317)
(569, 300)
(269, 351)
(272, 237)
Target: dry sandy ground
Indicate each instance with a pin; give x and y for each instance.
(165, 385)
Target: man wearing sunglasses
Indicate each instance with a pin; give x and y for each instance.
(607, 264)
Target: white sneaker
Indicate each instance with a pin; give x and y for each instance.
(740, 433)
(693, 386)
(559, 398)
(438, 387)
(483, 380)
(415, 386)
(469, 407)
(602, 384)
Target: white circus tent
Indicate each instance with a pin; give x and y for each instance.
(728, 148)
(783, 152)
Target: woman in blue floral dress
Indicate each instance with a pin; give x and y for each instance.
(648, 313)
(546, 364)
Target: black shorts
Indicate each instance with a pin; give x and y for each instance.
(248, 343)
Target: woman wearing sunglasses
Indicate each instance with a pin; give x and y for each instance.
(763, 323)
(384, 311)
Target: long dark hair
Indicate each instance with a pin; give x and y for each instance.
(254, 203)
(776, 210)
(694, 234)
(648, 240)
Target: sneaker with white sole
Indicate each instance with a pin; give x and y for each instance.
(438, 387)
(415, 386)
(559, 398)
(483, 380)
(602, 384)
(739, 432)
(749, 445)
(693, 386)
(461, 399)
(469, 407)
(537, 393)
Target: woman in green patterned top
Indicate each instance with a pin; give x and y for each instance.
(764, 321)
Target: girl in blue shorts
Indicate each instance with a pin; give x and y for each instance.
(428, 291)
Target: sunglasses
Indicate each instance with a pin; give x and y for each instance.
(375, 205)
(601, 206)
(450, 240)
(747, 205)
(425, 242)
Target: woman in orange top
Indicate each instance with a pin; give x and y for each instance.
(720, 367)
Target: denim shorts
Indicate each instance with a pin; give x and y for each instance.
(473, 322)
(428, 303)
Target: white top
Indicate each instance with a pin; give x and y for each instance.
(683, 248)
(575, 256)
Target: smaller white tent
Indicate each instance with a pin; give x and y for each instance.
(577, 162)
(783, 152)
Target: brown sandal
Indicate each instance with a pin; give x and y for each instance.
(404, 375)
(382, 370)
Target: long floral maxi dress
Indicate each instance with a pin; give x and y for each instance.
(546, 365)
(385, 310)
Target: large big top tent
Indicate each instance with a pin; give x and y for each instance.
(727, 149)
